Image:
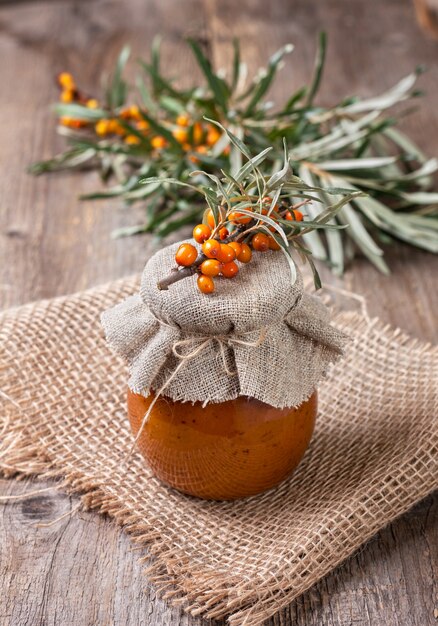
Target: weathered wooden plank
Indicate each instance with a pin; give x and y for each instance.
(83, 570)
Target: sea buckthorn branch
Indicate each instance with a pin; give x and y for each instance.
(238, 222)
(165, 131)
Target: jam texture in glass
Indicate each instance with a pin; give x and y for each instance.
(221, 451)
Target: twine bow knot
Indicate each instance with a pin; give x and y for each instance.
(223, 341)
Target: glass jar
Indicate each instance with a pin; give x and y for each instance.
(222, 451)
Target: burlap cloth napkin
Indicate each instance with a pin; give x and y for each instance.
(374, 454)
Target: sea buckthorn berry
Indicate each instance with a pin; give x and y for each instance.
(298, 215)
(201, 233)
(239, 218)
(134, 112)
(229, 270)
(211, 267)
(198, 133)
(237, 247)
(102, 127)
(186, 254)
(115, 127)
(183, 120)
(78, 123)
(158, 142)
(131, 113)
(226, 253)
(68, 95)
(205, 284)
(210, 219)
(199, 150)
(289, 217)
(213, 135)
(245, 254)
(66, 80)
(223, 233)
(132, 140)
(273, 244)
(142, 125)
(260, 242)
(70, 122)
(211, 248)
(66, 121)
(180, 135)
(92, 103)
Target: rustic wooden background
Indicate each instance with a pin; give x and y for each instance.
(83, 570)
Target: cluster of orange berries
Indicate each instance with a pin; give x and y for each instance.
(195, 137)
(221, 256)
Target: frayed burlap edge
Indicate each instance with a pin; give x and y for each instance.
(174, 577)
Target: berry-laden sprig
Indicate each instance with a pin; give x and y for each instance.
(248, 212)
(116, 122)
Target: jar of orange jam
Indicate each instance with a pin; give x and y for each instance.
(222, 451)
(222, 399)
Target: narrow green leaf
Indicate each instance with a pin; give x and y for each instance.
(236, 64)
(318, 69)
(267, 77)
(117, 90)
(397, 94)
(356, 164)
(216, 84)
(161, 130)
(80, 112)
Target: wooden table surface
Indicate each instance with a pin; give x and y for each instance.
(83, 570)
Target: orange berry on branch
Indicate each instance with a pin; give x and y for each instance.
(92, 103)
(226, 253)
(260, 242)
(180, 135)
(201, 233)
(211, 248)
(197, 133)
(68, 95)
(142, 125)
(239, 218)
(245, 255)
(102, 127)
(210, 219)
(237, 247)
(211, 267)
(213, 135)
(134, 112)
(183, 120)
(132, 140)
(223, 233)
(298, 215)
(158, 142)
(186, 254)
(205, 284)
(229, 270)
(288, 216)
(66, 81)
(273, 244)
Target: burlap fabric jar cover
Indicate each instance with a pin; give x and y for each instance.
(258, 335)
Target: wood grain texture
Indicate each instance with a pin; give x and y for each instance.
(83, 570)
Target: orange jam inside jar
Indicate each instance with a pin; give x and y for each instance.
(222, 451)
